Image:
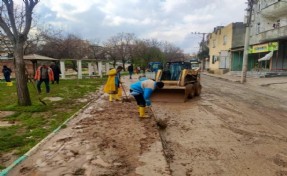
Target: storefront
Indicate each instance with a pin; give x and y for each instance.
(279, 61)
(263, 56)
(236, 58)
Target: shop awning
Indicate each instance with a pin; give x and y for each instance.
(266, 57)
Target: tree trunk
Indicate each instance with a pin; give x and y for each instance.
(114, 63)
(124, 63)
(21, 78)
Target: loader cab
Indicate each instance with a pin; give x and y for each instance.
(152, 69)
(172, 70)
(154, 66)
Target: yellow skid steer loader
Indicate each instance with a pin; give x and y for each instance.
(179, 80)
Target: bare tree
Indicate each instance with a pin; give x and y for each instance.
(96, 53)
(65, 47)
(138, 53)
(110, 54)
(172, 53)
(145, 51)
(52, 44)
(110, 50)
(17, 26)
(121, 45)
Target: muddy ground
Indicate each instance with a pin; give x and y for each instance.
(107, 138)
(232, 129)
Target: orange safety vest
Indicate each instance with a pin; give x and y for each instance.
(38, 74)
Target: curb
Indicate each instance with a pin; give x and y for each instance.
(219, 77)
(30, 152)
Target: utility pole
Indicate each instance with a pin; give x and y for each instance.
(246, 42)
(201, 47)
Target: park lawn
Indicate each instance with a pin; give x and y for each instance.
(33, 123)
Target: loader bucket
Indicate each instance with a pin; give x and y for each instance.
(173, 94)
(176, 94)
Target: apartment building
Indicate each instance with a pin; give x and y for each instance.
(268, 35)
(6, 48)
(221, 42)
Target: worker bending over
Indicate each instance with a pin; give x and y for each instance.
(142, 91)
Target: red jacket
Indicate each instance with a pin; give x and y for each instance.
(38, 74)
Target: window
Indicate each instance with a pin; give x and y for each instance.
(213, 43)
(224, 40)
(214, 59)
(277, 24)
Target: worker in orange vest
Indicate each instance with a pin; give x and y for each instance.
(44, 74)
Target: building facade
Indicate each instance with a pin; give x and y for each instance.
(220, 44)
(268, 35)
(6, 48)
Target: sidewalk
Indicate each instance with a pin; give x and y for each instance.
(276, 83)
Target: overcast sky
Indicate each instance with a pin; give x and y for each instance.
(167, 20)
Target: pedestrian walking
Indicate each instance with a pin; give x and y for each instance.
(131, 70)
(7, 73)
(56, 71)
(44, 74)
(142, 91)
(112, 86)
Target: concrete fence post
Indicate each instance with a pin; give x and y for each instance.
(63, 69)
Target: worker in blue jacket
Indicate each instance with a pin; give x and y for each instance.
(142, 91)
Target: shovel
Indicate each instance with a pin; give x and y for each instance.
(32, 81)
(125, 98)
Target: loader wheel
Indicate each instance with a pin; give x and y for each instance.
(197, 89)
(189, 92)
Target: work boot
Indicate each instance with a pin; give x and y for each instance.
(142, 113)
(111, 97)
(117, 97)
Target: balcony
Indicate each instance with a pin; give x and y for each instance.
(275, 10)
(273, 35)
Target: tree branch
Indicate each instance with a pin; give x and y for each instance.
(29, 6)
(10, 8)
(6, 29)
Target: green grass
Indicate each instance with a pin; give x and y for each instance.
(33, 123)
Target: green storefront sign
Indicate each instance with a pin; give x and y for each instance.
(272, 46)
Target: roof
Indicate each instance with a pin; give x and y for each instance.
(38, 57)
